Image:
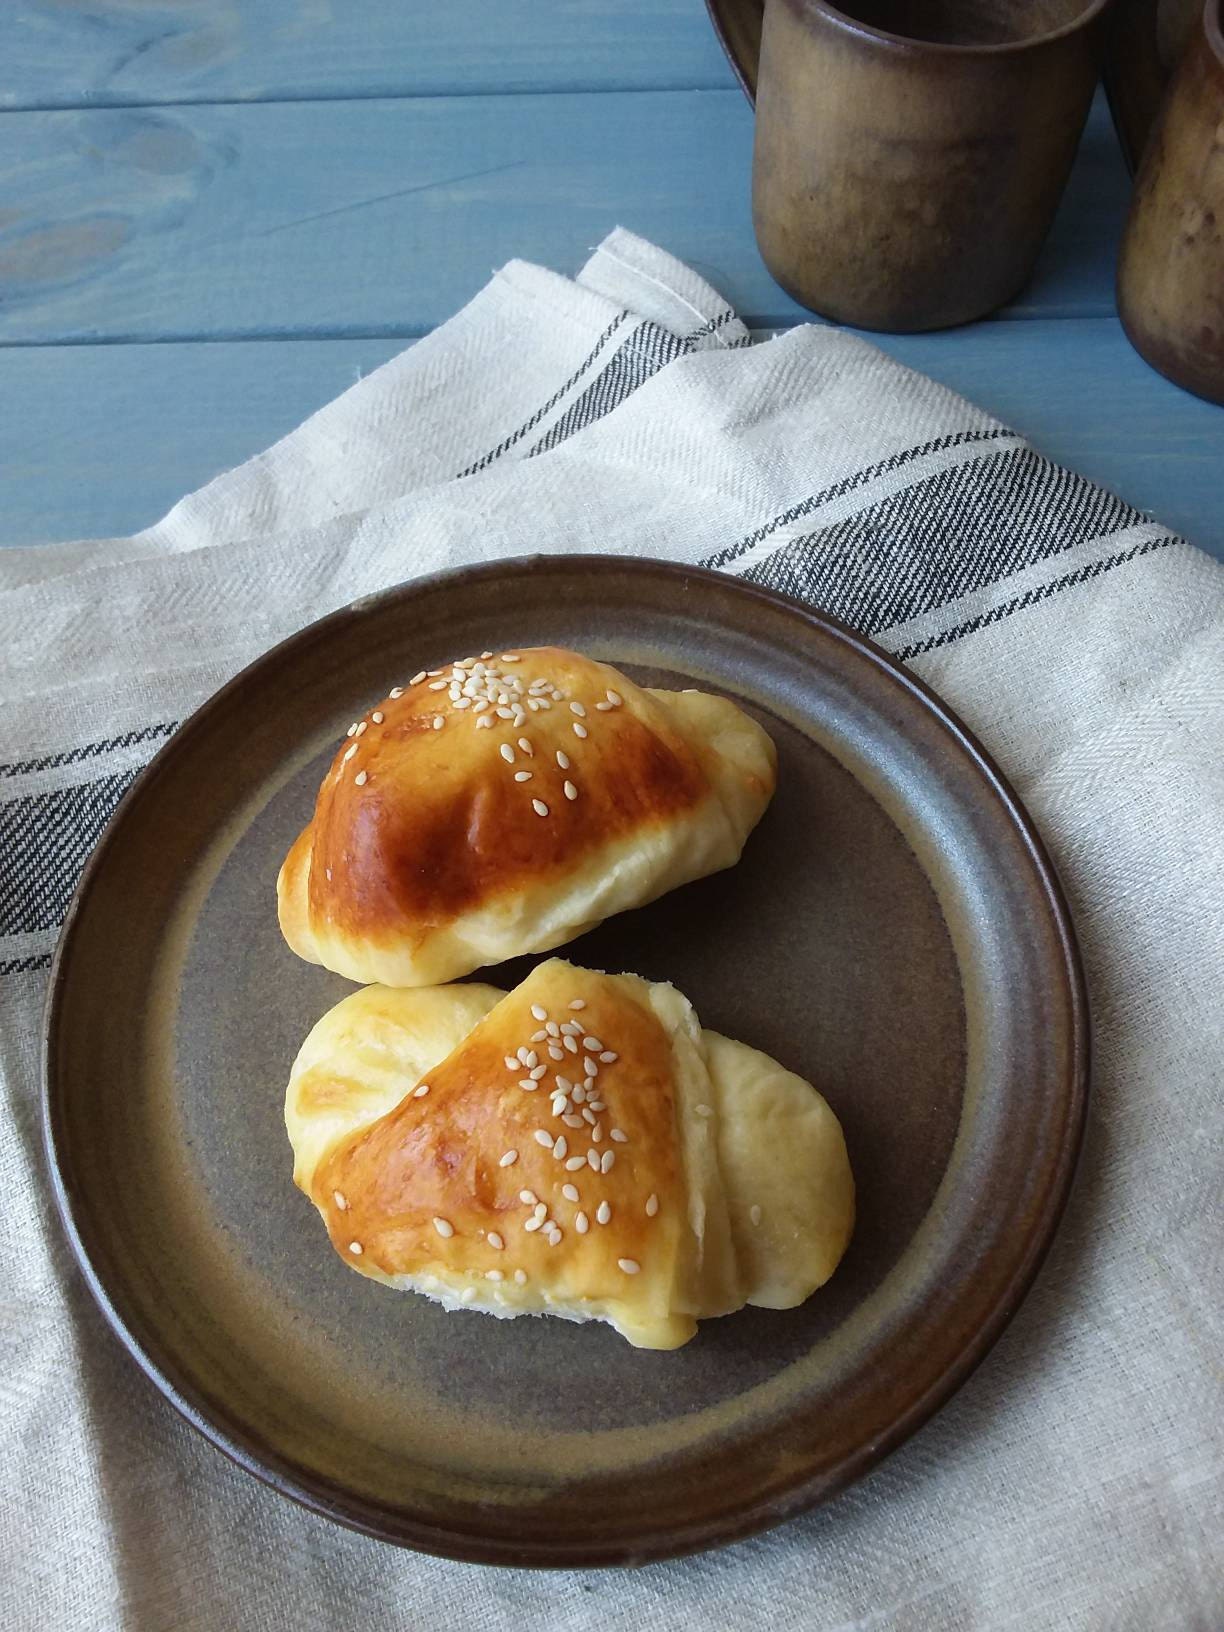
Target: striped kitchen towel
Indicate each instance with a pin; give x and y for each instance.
(625, 411)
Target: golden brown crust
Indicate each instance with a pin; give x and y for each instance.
(439, 1157)
(433, 848)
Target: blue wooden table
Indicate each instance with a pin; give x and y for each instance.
(216, 214)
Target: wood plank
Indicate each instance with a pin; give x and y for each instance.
(98, 440)
(350, 219)
(94, 53)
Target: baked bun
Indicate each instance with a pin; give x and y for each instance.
(506, 804)
(579, 1147)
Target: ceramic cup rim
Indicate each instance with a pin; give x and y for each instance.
(1088, 14)
(1213, 27)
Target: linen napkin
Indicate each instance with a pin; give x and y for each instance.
(1075, 1481)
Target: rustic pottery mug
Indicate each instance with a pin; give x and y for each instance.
(909, 157)
(1171, 269)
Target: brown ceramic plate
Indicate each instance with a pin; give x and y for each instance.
(894, 932)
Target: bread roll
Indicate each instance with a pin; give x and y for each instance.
(579, 1147)
(506, 804)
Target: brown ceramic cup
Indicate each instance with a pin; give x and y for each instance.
(909, 158)
(1171, 269)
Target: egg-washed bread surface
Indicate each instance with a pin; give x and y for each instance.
(577, 1147)
(505, 804)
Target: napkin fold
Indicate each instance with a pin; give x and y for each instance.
(1076, 1479)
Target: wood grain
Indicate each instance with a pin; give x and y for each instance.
(94, 53)
(98, 440)
(348, 219)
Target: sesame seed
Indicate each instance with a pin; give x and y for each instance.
(485, 721)
(494, 1275)
(356, 1248)
(525, 744)
(352, 730)
(540, 808)
(395, 692)
(578, 1093)
(577, 708)
(614, 697)
(361, 778)
(553, 1029)
(554, 1236)
(522, 776)
(619, 1136)
(652, 1205)
(754, 1213)
(596, 1104)
(540, 1036)
(588, 1115)
(597, 1134)
(542, 702)
(542, 1137)
(511, 1062)
(327, 873)
(419, 1093)
(341, 1200)
(564, 1085)
(532, 1223)
(703, 1110)
(432, 672)
(570, 791)
(578, 1003)
(495, 1241)
(572, 1028)
(525, 1055)
(606, 1161)
(463, 702)
(581, 1223)
(593, 1161)
(573, 1163)
(486, 655)
(593, 1043)
(504, 713)
(362, 728)
(570, 1192)
(533, 703)
(520, 1276)
(528, 1197)
(554, 1053)
(603, 708)
(603, 1213)
(507, 657)
(629, 1265)
(438, 685)
(571, 1043)
(564, 762)
(416, 679)
(377, 716)
(560, 1148)
(444, 1228)
(348, 753)
(580, 731)
(509, 1159)
(536, 1072)
(439, 722)
(608, 1057)
(539, 1012)
(572, 1121)
(481, 706)
(530, 1059)
(541, 1210)
(506, 752)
